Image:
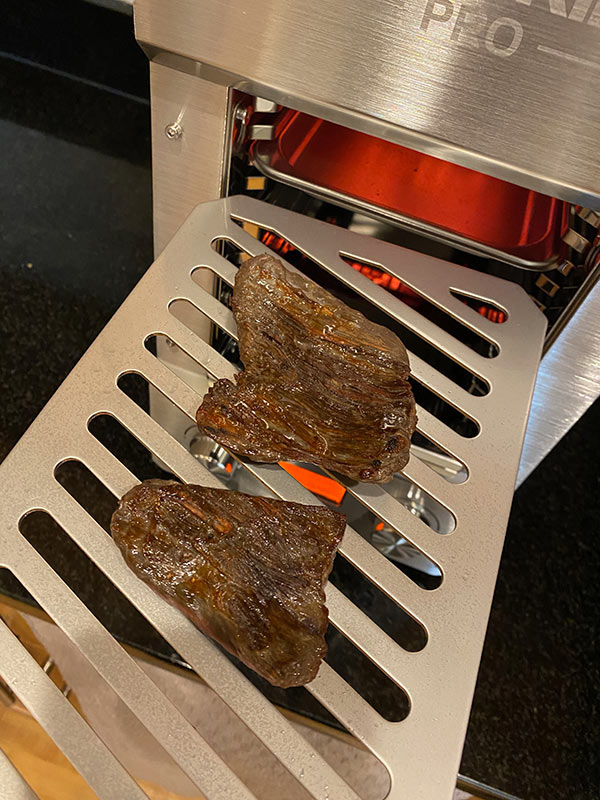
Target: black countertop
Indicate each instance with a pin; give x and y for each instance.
(75, 236)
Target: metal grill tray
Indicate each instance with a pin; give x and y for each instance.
(422, 752)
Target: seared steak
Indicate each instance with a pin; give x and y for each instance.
(321, 383)
(248, 571)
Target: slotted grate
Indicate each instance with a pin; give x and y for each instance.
(422, 752)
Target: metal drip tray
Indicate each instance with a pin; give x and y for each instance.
(482, 215)
(422, 752)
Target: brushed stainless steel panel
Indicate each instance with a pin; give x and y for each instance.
(568, 383)
(422, 753)
(187, 169)
(506, 87)
(193, 167)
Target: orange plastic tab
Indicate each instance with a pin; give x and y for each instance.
(319, 484)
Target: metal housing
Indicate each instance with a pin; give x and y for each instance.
(506, 88)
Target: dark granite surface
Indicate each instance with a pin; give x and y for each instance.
(75, 236)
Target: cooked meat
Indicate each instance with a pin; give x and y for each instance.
(248, 571)
(321, 383)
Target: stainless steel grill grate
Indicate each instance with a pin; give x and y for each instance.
(422, 752)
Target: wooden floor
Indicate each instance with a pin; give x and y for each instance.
(49, 773)
(30, 749)
(44, 767)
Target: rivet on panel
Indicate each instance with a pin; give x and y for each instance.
(174, 131)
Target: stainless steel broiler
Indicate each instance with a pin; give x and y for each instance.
(503, 89)
(284, 125)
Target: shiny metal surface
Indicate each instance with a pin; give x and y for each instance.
(193, 167)
(264, 106)
(568, 380)
(186, 170)
(505, 87)
(593, 217)
(263, 163)
(575, 240)
(61, 721)
(12, 782)
(482, 791)
(422, 753)
(262, 132)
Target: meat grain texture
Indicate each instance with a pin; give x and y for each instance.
(321, 383)
(248, 571)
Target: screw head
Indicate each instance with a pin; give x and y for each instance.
(173, 130)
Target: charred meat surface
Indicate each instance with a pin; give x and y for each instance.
(321, 383)
(248, 571)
